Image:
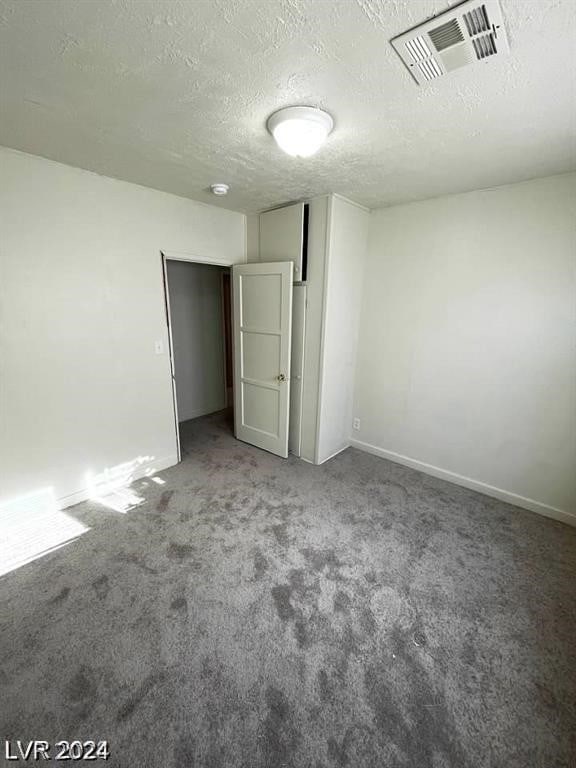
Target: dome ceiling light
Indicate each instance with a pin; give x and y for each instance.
(300, 131)
(219, 189)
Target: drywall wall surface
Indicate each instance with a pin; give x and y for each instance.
(466, 357)
(82, 306)
(198, 337)
(314, 318)
(346, 253)
(253, 238)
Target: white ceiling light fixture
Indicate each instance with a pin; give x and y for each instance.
(300, 131)
(219, 189)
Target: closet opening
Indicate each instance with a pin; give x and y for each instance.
(199, 316)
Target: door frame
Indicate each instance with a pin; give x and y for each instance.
(297, 379)
(166, 256)
(228, 334)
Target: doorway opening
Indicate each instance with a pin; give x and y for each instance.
(199, 316)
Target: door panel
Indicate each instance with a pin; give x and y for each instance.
(260, 408)
(261, 356)
(262, 319)
(261, 307)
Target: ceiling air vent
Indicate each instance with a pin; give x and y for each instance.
(447, 35)
(465, 34)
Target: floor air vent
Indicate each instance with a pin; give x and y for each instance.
(463, 35)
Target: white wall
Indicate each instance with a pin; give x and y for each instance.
(81, 303)
(347, 240)
(198, 338)
(466, 361)
(253, 238)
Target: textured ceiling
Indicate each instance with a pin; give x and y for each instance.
(175, 94)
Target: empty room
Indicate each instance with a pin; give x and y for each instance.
(288, 383)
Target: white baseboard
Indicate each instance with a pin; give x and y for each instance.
(317, 462)
(196, 414)
(143, 470)
(323, 461)
(468, 482)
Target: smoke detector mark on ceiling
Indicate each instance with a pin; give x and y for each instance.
(465, 34)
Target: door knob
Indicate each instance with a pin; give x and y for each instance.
(281, 377)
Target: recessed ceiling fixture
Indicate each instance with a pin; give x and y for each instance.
(300, 131)
(219, 189)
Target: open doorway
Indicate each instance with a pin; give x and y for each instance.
(198, 303)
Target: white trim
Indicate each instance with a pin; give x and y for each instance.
(197, 414)
(322, 197)
(279, 207)
(245, 260)
(166, 289)
(344, 447)
(156, 465)
(194, 259)
(216, 262)
(303, 200)
(325, 285)
(467, 482)
(351, 202)
(223, 313)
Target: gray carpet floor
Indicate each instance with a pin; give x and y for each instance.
(259, 612)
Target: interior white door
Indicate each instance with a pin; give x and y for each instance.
(262, 319)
